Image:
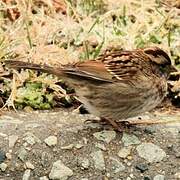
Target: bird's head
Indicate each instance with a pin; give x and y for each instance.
(160, 60)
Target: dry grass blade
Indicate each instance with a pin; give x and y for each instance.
(10, 101)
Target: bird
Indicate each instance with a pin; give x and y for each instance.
(117, 85)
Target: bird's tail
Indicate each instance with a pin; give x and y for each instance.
(25, 65)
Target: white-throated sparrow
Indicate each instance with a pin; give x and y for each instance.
(117, 85)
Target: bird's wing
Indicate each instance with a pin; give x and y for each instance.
(90, 69)
(123, 65)
(94, 70)
(110, 67)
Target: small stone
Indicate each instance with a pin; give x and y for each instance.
(68, 147)
(116, 165)
(17, 166)
(177, 175)
(12, 140)
(105, 136)
(98, 159)
(124, 152)
(44, 178)
(3, 135)
(9, 156)
(159, 177)
(22, 154)
(2, 156)
(150, 152)
(141, 167)
(176, 149)
(85, 163)
(128, 178)
(3, 166)
(129, 163)
(51, 140)
(28, 165)
(105, 178)
(129, 157)
(177, 154)
(31, 138)
(85, 140)
(59, 171)
(128, 139)
(108, 175)
(101, 146)
(26, 174)
(78, 146)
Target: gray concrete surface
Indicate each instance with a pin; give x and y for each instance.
(59, 145)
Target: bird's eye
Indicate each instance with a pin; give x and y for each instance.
(163, 68)
(163, 65)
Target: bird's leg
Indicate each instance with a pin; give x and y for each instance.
(113, 123)
(105, 121)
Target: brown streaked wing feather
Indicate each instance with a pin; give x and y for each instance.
(90, 69)
(123, 65)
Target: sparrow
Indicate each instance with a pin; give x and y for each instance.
(119, 84)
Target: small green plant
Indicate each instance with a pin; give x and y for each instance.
(34, 94)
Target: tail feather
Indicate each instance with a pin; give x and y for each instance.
(38, 67)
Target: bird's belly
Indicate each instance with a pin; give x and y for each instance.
(111, 103)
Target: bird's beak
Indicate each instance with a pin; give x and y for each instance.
(173, 69)
(174, 74)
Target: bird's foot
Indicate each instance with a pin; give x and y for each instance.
(105, 121)
(113, 123)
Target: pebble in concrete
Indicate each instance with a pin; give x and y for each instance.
(26, 174)
(68, 147)
(12, 140)
(150, 152)
(101, 146)
(117, 166)
(59, 171)
(3, 166)
(128, 139)
(177, 175)
(51, 140)
(43, 178)
(85, 163)
(105, 136)
(98, 159)
(31, 139)
(159, 177)
(29, 165)
(22, 154)
(124, 152)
